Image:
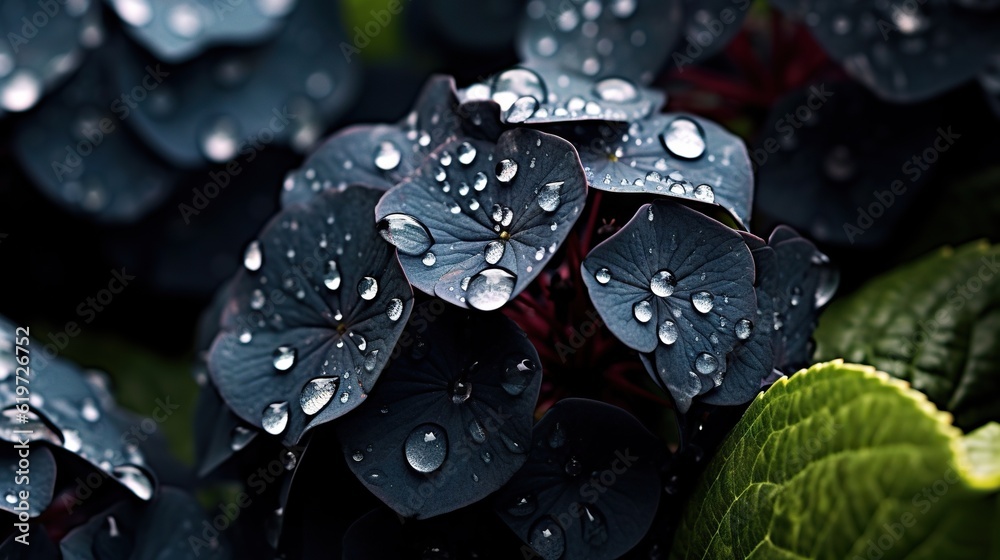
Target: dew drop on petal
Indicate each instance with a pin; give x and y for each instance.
(429, 259)
(662, 284)
(240, 437)
(616, 90)
(683, 138)
(704, 193)
(253, 258)
(394, 309)
(506, 169)
(667, 332)
(387, 156)
(494, 251)
(593, 526)
(318, 393)
(406, 233)
(426, 448)
(368, 288)
(603, 275)
(523, 506)
(331, 279)
(275, 418)
(522, 109)
(517, 376)
(548, 197)
(477, 432)
(466, 153)
(547, 538)
(490, 289)
(284, 358)
(702, 301)
(743, 329)
(706, 363)
(642, 311)
(516, 83)
(479, 182)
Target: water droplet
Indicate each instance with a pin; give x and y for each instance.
(547, 539)
(623, 8)
(704, 193)
(284, 358)
(477, 432)
(10, 499)
(275, 418)
(220, 140)
(642, 311)
(89, 411)
(289, 460)
(683, 138)
(486, 457)
(371, 360)
(240, 437)
(490, 289)
(479, 183)
(21, 91)
(494, 251)
(426, 448)
(743, 329)
(616, 90)
(387, 156)
(522, 109)
(184, 20)
(134, 12)
(317, 394)
(375, 477)
(506, 169)
(518, 375)
(603, 275)
(252, 257)
(702, 301)
(523, 506)
(441, 175)
(573, 467)
(466, 153)
(358, 456)
(516, 83)
(796, 296)
(135, 480)
(663, 283)
(548, 197)
(667, 332)
(406, 233)
(429, 259)
(332, 277)
(594, 526)
(394, 309)
(706, 363)
(557, 437)
(368, 288)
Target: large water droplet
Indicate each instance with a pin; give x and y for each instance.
(704, 193)
(317, 394)
(368, 288)
(252, 257)
(642, 311)
(426, 448)
(663, 283)
(406, 233)
(284, 358)
(667, 332)
(616, 90)
(134, 479)
(494, 251)
(683, 138)
(548, 198)
(394, 309)
(522, 109)
(743, 329)
(594, 526)
(466, 153)
(603, 275)
(387, 156)
(490, 289)
(706, 363)
(506, 170)
(547, 539)
(331, 279)
(275, 418)
(517, 376)
(240, 437)
(702, 301)
(516, 83)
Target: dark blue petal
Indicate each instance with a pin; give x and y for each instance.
(453, 412)
(42, 477)
(313, 318)
(591, 486)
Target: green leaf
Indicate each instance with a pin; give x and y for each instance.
(935, 323)
(842, 461)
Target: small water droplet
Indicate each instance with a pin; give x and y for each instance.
(548, 197)
(706, 363)
(284, 358)
(358, 456)
(663, 283)
(426, 448)
(184, 20)
(573, 467)
(702, 301)
(517, 375)
(743, 329)
(240, 437)
(522, 109)
(547, 538)
(494, 251)
(616, 90)
(557, 437)
(219, 141)
(704, 193)
(375, 477)
(394, 309)
(594, 526)
(512, 445)
(479, 183)
(683, 138)
(89, 411)
(368, 288)
(603, 275)
(486, 457)
(667, 332)
(523, 506)
(252, 257)
(429, 259)
(642, 311)
(387, 156)
(406, 233)
(275, 418)
(317, 394)
(477, 432)
(506, 169)
(466, 153)
(135, 480)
